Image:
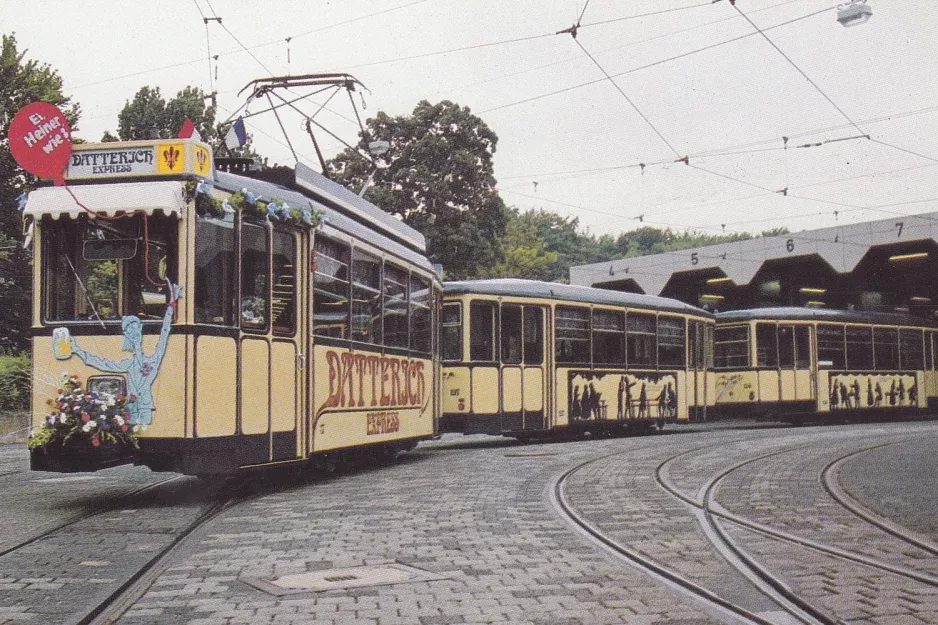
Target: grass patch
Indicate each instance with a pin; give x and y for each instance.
(13, 424)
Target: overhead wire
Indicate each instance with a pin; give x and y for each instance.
(648, 65)
(795, 65)
(254, 47)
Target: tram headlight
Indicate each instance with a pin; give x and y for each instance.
(112, 385)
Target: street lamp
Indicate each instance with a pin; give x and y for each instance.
(379, 147)
(854, 13)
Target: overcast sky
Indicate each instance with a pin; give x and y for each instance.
(570, 140)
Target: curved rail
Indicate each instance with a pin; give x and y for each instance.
(837, 493)
(566, 510)
(713, 508)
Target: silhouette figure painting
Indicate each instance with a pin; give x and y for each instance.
(141, 369)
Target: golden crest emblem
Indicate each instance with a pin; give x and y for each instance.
(171, 156)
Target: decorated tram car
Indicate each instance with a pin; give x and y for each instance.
(526, 359)
(226, 321)
(804, 364)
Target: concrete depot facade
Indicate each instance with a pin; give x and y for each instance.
(886, 265)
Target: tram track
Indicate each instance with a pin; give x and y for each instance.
(658, 570)
(110, 506)
(123, 597)
(831, 484)
(716, 521)
(710, 507)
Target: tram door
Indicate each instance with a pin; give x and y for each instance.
(271, 348)
(794, 363)
(697, 382)
(523, 371)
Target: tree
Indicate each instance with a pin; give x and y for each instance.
(438, 177)
(149, 112)
(526, 253)
(22, 81)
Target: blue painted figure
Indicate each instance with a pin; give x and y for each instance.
(141, 369)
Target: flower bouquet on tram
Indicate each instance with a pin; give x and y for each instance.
(83, 431)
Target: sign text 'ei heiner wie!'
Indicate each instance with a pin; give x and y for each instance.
(41, 140)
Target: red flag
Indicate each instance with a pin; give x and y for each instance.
(187, 129)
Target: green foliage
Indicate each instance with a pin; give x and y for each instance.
(526, 253)
(648, 240)
(22, 81)
(15, 382)
(148, 111)
(542, 245)
(438, 177)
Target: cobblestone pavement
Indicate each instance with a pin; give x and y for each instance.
(475, 514)
(57, 578)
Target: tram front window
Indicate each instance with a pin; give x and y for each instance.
(103, 269)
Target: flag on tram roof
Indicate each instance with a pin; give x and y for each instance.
(237, 136)
(188, 130)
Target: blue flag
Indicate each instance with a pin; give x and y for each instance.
(237, 136)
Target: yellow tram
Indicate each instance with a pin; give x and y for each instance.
(243, 322)
(524, 358)
(797, 364)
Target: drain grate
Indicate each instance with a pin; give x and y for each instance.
(341, 579)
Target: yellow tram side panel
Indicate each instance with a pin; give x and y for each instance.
(363, 397)
(169, 389)
(736, 387)
(617, 395)
(457, 390)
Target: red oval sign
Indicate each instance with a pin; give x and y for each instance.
(41, 140)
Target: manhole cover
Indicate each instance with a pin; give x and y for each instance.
(340, 579)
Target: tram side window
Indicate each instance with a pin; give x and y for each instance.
(254, 278)
(910, 350)
(730, 347)
(672, 341)
(331, 289)
(640, 340)
(608, 337)
(766, 345)
(215, 296)
(482, 331)
(786, 347)
(533, 335)
(396, 333)
(366, 298)
(802, 347)
(451, 324)
(573, 334)
(97, 270)
(886, 348)
(830, 345)
(859, 347)
(421, 317)
(929, 351)
(283, 299)
(511, 334)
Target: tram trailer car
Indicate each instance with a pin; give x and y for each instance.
(252, 323)
(527, 359)
(805, 364)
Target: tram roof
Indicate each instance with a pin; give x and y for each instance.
(569, 293)
(333, 217)
(794, 313)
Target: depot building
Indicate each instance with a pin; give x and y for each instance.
(886, 265)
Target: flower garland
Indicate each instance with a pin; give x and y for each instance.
(249, 203)
(79, 418)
